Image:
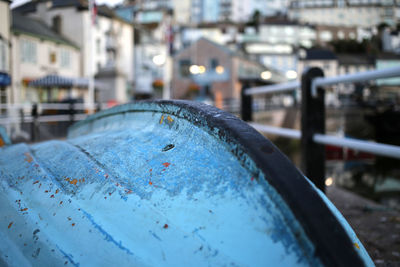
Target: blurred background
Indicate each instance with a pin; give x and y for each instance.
(61, 60)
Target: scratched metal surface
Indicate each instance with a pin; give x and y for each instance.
(140, 186)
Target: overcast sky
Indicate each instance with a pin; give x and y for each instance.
(108, 2)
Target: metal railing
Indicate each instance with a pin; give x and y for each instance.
(356, 144)
(275, 88)
(33, 117)
(312, 134)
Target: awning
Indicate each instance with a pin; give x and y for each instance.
(5, 79)
(52, 81)
(63, 82)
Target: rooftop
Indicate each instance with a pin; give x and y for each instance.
(318, 54)
(355, 59)
(102, 10)
(24, 24)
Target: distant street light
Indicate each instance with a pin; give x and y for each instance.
(194, 69)
(202, 69)
(219, 69)
(159, 60)
(266, 75)
(291, 74)
(329, 181)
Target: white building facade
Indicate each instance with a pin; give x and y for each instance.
(106, 44)
(276, 44)
(182, 11)
(37, 53)
(357, 13)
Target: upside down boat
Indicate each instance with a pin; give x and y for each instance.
(165, 183)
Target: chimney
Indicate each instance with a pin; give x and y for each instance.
(57, 24)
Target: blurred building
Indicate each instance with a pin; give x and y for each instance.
(316, 57)
(234, 10)
(182, 11)
(154, 42)
(207, 70)
(243, 11)
(105, 41)
(204, 11)
(276, 41)
(268, 7)
(327, 61)
(222, 33)
(5, 46)
(329, 33)
(152, 4)
(281, 30)
(353, 63)
(193, 12)
(387, 60)
(39, 51)
(359, 13)
(391, 41)
(126, 11)
(273, 42)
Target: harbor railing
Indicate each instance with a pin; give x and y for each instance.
(312, 133)
(31, 117)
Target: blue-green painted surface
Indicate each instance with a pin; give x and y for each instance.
(4, 139)
(139, 186)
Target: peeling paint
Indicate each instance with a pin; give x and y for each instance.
(28, 157)
(166, 164)
(219, 208)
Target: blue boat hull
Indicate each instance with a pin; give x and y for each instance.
(167, 183)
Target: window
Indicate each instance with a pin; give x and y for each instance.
(98, 46)
(184, 65)
(214, 63)
(326, 36)
(3, 56)
(65, 58)
(389, 11)
(289, 30)
(52, 57)
(28, 51)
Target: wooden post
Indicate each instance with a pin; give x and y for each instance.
(71, 112)
(246, 104)
(312, 122)
(35, 114)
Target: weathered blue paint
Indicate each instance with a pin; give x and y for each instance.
(148, 184)
(4, 139)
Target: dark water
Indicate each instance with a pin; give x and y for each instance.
(377, 179)
(373, 177)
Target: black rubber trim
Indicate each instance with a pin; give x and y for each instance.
(333, 246)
